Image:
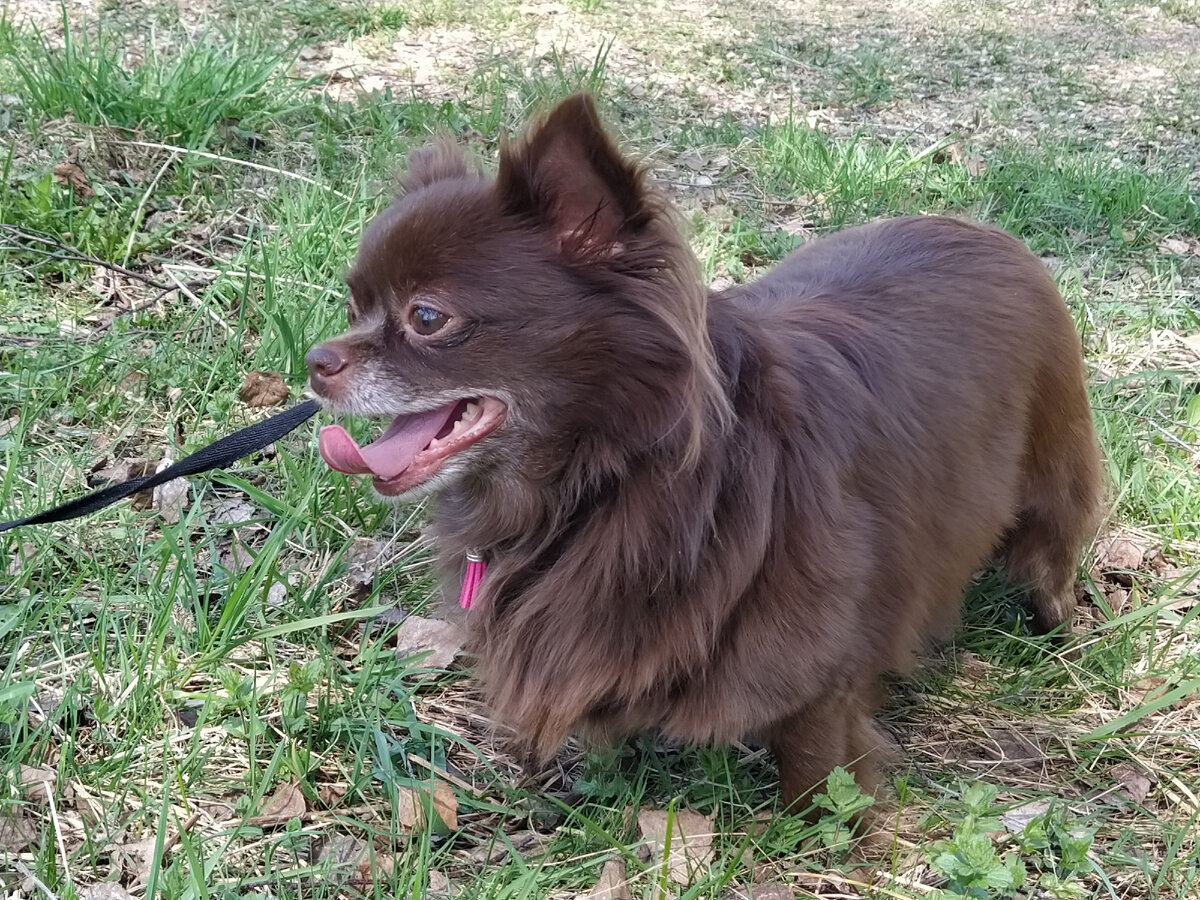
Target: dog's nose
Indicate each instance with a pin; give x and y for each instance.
(324, 363)
(324, 360)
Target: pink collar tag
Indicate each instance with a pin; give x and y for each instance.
(475, 570)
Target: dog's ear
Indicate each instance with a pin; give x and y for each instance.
(567, 174)
(436, 161)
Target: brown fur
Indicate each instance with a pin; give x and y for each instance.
(721, 514)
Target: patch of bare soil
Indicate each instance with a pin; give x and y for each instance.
(1122, 77)
(1061, 71)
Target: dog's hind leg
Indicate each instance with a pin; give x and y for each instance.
(1060, 496)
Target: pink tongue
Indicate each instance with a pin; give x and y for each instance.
(391, 453)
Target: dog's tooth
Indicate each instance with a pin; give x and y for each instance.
(463, 421)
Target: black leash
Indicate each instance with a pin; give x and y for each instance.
(217, 455)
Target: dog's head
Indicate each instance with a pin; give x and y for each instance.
(518, 326)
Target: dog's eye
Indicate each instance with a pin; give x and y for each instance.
(427, 320)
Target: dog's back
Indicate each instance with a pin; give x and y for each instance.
(928, 378)
(949, 355)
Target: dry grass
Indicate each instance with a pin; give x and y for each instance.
(168, 687)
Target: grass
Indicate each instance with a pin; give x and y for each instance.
(212, 83)
(326, 19)
(1058, 199)
(168, 685)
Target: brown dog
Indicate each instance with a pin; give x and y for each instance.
(713, 514)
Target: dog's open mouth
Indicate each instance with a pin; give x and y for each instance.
(414, 446)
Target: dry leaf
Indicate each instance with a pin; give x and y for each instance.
(442, 640)
(413, 803)
(1132, 783)
(1118, 599)
(171, 498)
(798, 225)
(761, 823)
(495, 852)
(374, 867)
(314, 52)
(331, 795)
(17, 830)
(104, 890)
(1192, 342)
(363, 560)
(341, 851)
(439, 884)
(819, 884)
(1175, 245)
(136, 858)
(612, 884)
(37, 783)
(263, 389)
(762, 890)
(23, 553)
(235, 553)
(1018, 817)
(123, 470)
(232, 511)
(286, 803)
(1118, 555)
(371, 84)
(118, 471)
(956, 155)
(691, 836)
(1149, 688)
(69, 174)
(47, 706)
(1015, 748)
(971, 664)
(236, 557)
(107, 287)
(815, 118)
(952, 154)
(132, 175)
(692, 159)
(132, 383)
(353, 858)
(364, 864)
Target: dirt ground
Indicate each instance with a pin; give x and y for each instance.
(1121, 75)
